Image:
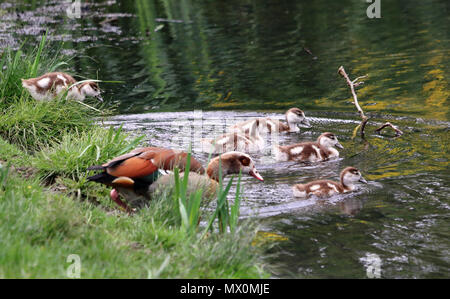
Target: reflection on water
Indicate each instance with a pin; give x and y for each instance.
(271, 55)
(239, 58)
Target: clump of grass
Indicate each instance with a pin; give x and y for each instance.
(13, 154)
(32, 125)
(189, 205)
(214, 255)
(227, 217)
(76, 151)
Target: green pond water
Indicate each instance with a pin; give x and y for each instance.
(232, 60)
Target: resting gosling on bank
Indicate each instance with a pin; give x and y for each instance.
(294, 117)
(318, 151)
(50, 85)
(323, 188)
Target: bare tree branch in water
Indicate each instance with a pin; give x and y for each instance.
(398, 132)
(352, 85)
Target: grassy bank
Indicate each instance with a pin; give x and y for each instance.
(49, 211)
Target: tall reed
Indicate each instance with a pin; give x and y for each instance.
(190, 209)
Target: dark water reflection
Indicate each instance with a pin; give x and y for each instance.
(237, 59)
(241, 54)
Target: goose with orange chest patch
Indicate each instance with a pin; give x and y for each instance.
(321, 150)
(324, 188)
(294, 117)
(136, 176)
(50, 85)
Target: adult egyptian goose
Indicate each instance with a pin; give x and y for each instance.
(136, 175)
(50, 85)
(321, 150)
(294, 117)
(135, 171)
(248, 141)
(230, 163)
(323, 188)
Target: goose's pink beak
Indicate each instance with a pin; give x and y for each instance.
(254, 173)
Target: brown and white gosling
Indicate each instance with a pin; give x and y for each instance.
(248, 141)
(324, 188)
(294, 117)
(50, 85)
(321, 150)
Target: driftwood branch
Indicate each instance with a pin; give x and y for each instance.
(398, 132)
(352, 85)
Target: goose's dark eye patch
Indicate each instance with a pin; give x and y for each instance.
(244, 161)
(94, 86)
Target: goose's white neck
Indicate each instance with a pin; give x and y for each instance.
(325, 142)
(76, 94)
(348, 181)
(293, 127)
(348, 186)
(333, 152)
(291, 120)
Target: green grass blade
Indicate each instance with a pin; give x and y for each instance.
(35, 66)
(84, 151)
(183, 213)
(221, 206)
(110, 134)
(176, 195)
(118, 133)
(57, 66)
(234, 211)
(194, 212)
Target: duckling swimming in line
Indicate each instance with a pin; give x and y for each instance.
(321, 150)
(294, 117)
(323, 188)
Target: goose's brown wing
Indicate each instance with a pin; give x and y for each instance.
(142, 162)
